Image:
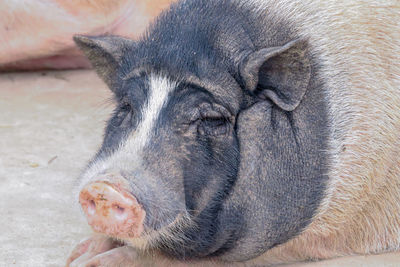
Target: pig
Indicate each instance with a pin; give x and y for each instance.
(247, 132)
(38, 34)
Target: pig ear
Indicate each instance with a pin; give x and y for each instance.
(106, 55)
(279, 73)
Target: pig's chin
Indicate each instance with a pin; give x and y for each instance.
(151, 238)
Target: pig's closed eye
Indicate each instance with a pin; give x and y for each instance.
(125, 106)
(213, 126)
(123, 116)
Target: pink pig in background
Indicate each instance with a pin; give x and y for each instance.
(38, 34)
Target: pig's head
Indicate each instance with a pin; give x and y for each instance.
(216, 145)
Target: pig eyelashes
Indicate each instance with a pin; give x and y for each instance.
(125, 106)
(213, 126)
(213, 120)
(124, 115)
(127, 121)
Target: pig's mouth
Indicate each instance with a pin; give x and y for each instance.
(151, 238)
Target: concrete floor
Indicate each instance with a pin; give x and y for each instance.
(50, 125)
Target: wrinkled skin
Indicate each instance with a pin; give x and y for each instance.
(220, 138)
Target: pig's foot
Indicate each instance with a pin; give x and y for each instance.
(103, 250)
(122, 256)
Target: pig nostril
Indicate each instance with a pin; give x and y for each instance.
(91, 207)
(119, 212)
(119, 209)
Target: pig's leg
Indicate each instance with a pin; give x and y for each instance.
(122, 256)
(89, 248)
(79, 250)
(102, 252)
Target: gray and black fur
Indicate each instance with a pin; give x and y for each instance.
(240, 144)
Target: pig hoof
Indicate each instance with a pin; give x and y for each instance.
(122, 256)
(79, 250)
(89, 248)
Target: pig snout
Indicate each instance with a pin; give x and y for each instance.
(112, 210)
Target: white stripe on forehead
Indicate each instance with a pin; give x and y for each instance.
(128, 155)
(159, 89)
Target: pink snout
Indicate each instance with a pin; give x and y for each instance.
(112, 210)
